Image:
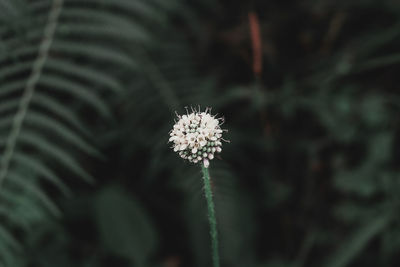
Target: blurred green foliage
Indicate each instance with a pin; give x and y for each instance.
(310, 177)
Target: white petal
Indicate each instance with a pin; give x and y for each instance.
(206, 163)
(210, 156)
(194, 150)
(219, 149)
(183, 147)
(176, 148)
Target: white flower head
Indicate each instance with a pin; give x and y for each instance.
(197, 136)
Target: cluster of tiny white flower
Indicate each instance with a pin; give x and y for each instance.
(197, 136)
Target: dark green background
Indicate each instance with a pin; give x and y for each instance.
(310, 176)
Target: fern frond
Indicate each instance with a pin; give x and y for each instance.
(31, 188)
(82, 93)
(61, 111)
(39, 142)
(51, 125)
(29, 90)
(58, 60)
(42, 170)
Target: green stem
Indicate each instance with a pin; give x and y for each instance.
(211, 216)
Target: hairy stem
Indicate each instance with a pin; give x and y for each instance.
(29, 90)
(211, 216)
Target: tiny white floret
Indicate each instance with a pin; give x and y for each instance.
(206, 163)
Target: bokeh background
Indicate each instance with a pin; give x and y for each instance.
(309, 90)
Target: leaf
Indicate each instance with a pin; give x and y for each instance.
(360, 181)
(49, 124)
(357, 242)
(55, 152)
(80, 92)
(102, 17)
(60, 110)
(94, 52)
(9, 239)
(9, 106)
(84, 72)
(33, 189)
(143, 8)
(106, 30)
(125, 228)
(42, 170)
